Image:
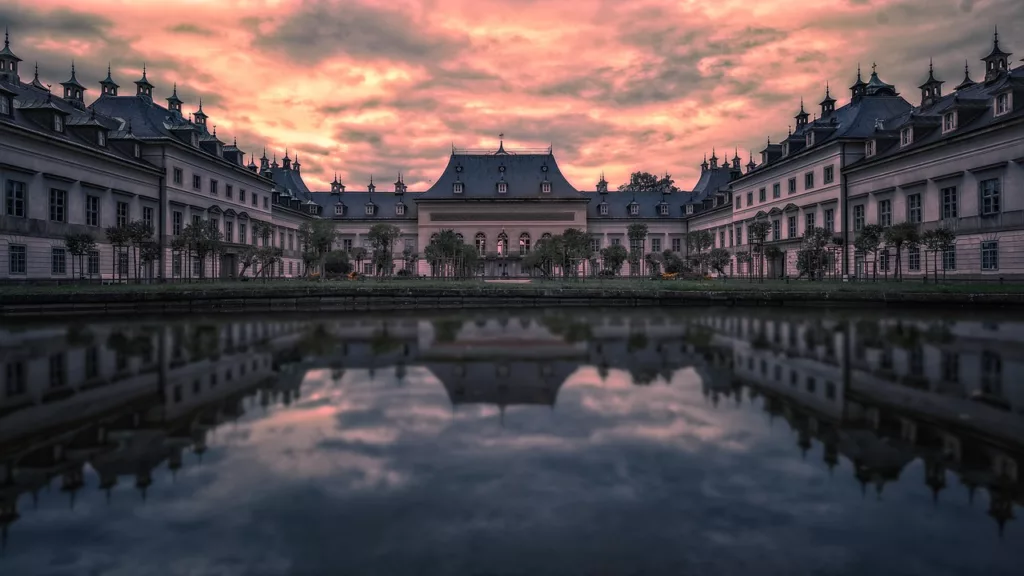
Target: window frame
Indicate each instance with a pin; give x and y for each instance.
(776, 190)
(885, 213)
(809, 180)
(15, 199)
(992, 197)
(906, 136)
(828, 174)
(177, 176)
(21, 250)
(990, 256)
(197, 182)
(950, 198)
(791, 186)
(58, 261)
(915, 208)
(58, 205)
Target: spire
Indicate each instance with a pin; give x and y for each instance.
(35, 81)
(6, 52)
(173, 102)
(704, 164)
(996, 61)
(144, 88)
(751, 165)
(931, 90)
(967, 83)
(801, 116)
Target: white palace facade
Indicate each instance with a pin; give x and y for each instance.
(953, 159)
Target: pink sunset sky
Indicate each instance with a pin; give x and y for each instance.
(376, 87)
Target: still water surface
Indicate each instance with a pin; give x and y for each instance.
(605, 442)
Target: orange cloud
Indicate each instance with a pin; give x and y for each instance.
(367, 87)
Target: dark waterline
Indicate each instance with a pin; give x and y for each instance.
(730, 441)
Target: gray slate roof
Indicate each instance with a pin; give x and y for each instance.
(649, 203)
(975, 105)
(355, 205)
(480, 173)
(31, 105)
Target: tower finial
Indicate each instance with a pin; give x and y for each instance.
(7, 36)
(827, 95)
(873, 67)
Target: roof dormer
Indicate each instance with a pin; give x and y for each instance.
(73, 90)
(802, 116)
(634, 208)
(545, 186)
(400, 209)
(931, 90)
(996, 61)
(339, 208)
(336, 186)
(828, 105)
(370, 187)
(107, 86)
(458, 188)
(143, 86)
(370, 208)
(602, 208)
(399, 185)
(200, 116)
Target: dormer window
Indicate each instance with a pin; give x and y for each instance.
(399, 209)
(869, 148)
(195, 139)
(58, 123)
(502, 187)
(949, 121)
(339, 209)
(634, 209)
(785, 148)
(312, 209)
(906, 136)
(101, 138)
(369, 209)
(1002, 104)
(603, 209)
(457, 188)
(545, 187)
(137, 150)
(810, 139)
(663, 209)
(5, 105)
(689, 208)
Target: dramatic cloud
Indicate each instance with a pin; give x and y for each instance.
(376, 86)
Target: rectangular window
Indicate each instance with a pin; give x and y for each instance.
(885, 213)
(808, 222)
(677, 244)
(809, 181)
(122, 263)
(16, 258)
(14, 199)
(914, 212)
(229, 191)
(656, 245)
(255, 199)
(906, 136)
(950, 366)
(730, 237)
(122, 214)
(1002, 104)
(949, 121)
(92, 211)
(93, 263)
(829, 174)
(241, 195)
(178, 176)
(914, 257)
(524, 245)
(869, 148)
(949, 259)
(830, 220)
(92, 363)
(291, 241)
(58, 123)
(213, 187)
(254, 237)
(241, 233)
(176, 223)
(791, 225)
(989, 190)
(760, 195)
(883, 260)
(197, 182)
(949, 202)
(616, 241)
(346, 245)
(721, 239)
(229, 231)
(776, 230)
(792, 186)
(776, 190)
(58, 205)
(990, 255)
(176, 266)
(197, 268)
(58, 261)
(5, 105)
(281, 239)
(858, 217)
(266, 203)
(197, 219)
(147, 216)
(58, 371)
(739, 235)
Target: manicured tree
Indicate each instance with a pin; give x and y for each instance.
(614, 257)
(118, 238)
(772, 254)
(743, 257)
(382, 239)
(576, 247)
(637, 235)
(78, 246)
(316, 238)
(757, 233)
(867, 242)
(937, 241)
(139, 232)
(358, 254)
(247, 259)
(718, 259)
(812, 256)
(149, 252)
(900, 236)
(697, 242)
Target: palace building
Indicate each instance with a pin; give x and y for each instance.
(950, 160)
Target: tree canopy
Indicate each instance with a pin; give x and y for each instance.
(642, 182)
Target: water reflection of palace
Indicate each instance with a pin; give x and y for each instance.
(127, 399)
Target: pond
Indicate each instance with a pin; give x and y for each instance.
(683, 441)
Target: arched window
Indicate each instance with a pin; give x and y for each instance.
(502, 244)
(524, 244)
(546, 236)
(481, 243)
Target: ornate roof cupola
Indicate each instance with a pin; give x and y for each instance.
(273, 162)
(296, 165)
(173, 102)
(751, 165)
(9, 62)
(801, 116)
(857, 90)
(995, 62)
(143, 87)
(501, 145)
(736, 159)
(107, 86)
(73, 90)
(200, 116)
(286, 162)
(371, 188)
(602, 185)
(252, 163)
(714, 160)
(828, 105)
(967, 83)
(876, 87)
(35, 80)
(264, 162)
(336, 186)
(399, 185)
(931, 90)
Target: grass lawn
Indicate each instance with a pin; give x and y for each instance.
(624, 284)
